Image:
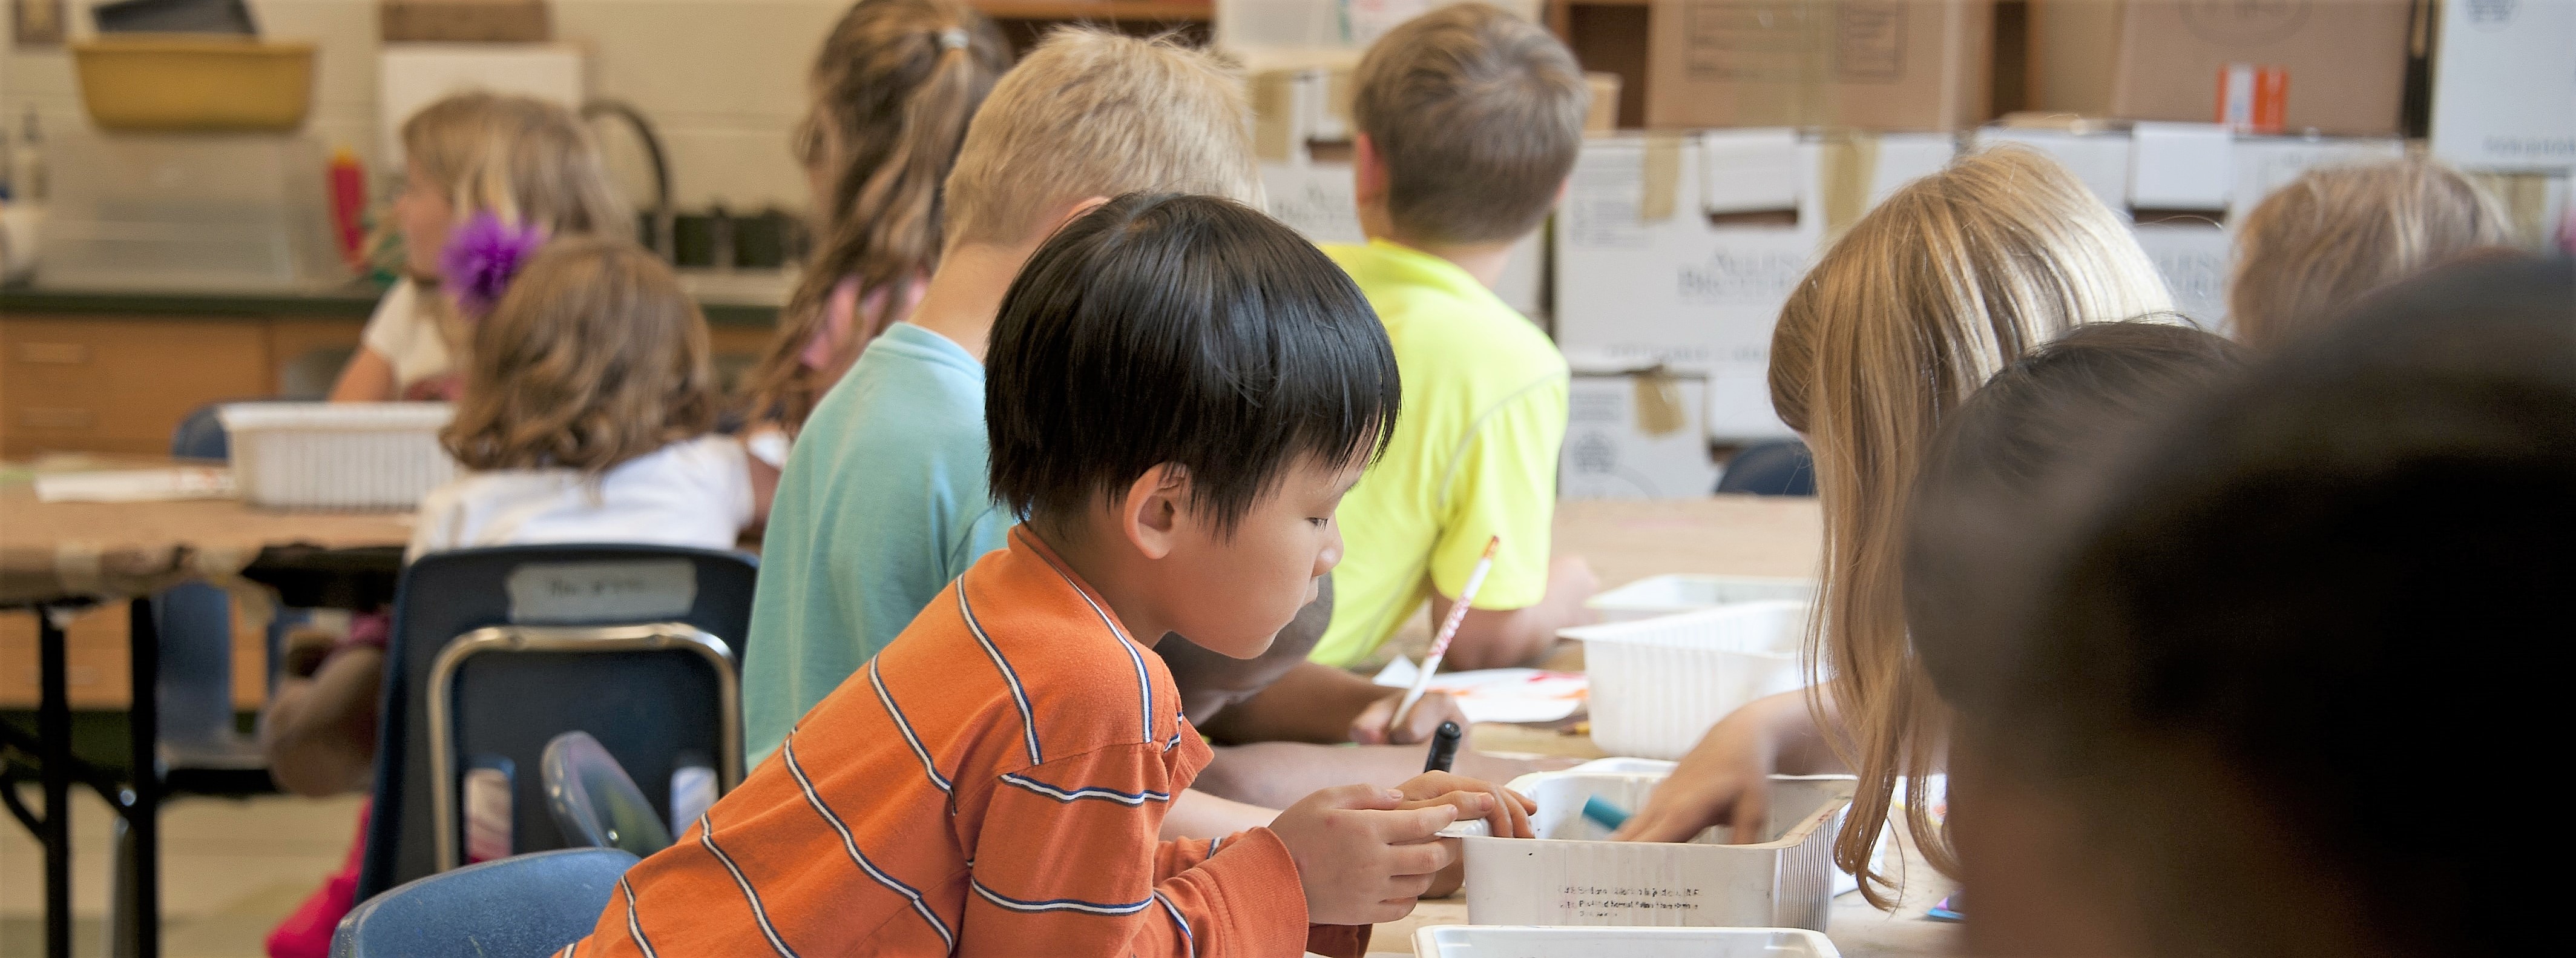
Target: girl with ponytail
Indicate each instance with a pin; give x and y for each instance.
(893, 87)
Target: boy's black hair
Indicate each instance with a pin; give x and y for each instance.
(2015, 463)
(2328, 598)
(1167, 328)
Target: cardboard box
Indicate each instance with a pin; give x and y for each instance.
(1317, 199)
(2345, 60)
(2504, 99)
(1680, 250)
(2183, 184)
(1862, 64)
(465, 21)
(1636, 434)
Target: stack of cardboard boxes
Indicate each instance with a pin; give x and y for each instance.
(1777, 123)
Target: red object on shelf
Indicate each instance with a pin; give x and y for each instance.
(349, 205)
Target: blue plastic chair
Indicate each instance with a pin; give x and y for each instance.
(1778, 468)
(496, 651)
(595, 804)
(523, 905)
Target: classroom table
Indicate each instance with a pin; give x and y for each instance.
(1720, 535)
(58, 558)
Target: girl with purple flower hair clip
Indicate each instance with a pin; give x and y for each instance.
(489, 179)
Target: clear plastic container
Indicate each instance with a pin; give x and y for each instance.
(337, 455)
(208, 211)
(1658, 684)
(1670, 594)
(1572, 874)
(1531, 941)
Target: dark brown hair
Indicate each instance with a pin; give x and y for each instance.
(1478, 116)
(593, 357)
(893, 87)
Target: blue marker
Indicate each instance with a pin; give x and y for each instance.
(1607, 815)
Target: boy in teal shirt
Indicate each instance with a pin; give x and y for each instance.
(1469, 121)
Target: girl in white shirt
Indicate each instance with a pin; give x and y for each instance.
(529, 163)
(588, 414)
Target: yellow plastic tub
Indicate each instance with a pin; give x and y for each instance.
(191, 83)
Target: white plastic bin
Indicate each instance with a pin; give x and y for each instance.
(1658, 684)
(1670, 594)
(1531, 941)
(337, 455)
(1572, 875)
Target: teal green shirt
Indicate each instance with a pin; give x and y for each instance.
(884, 499)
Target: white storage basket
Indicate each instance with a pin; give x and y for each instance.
(1658, 684)
(1571, 874)
(337, 455)
(1669, 594)
(1530, 941)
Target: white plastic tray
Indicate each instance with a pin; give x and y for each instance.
(337, 455)
(1571, 875)
(1535, 941)
(1658, 684)
(1669, 594)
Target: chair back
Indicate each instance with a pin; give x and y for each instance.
(523, 905)
(496, 651)
(1779, 468)
(595, 804)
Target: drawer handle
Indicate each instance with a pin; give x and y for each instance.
(54, 354)
(56, 417)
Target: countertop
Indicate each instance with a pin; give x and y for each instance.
(729, 298)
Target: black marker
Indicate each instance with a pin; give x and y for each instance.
(1444, 748)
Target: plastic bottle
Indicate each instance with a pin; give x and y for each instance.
(349, 205)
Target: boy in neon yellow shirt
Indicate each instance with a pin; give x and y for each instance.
(1469, 121)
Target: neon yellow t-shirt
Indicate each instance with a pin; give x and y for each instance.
(1474, 454)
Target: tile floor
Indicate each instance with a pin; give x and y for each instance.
(229, 870)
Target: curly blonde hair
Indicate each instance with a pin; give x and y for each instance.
(594, 357)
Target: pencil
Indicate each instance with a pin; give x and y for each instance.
(1448, 631)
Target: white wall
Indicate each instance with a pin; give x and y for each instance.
(723, 80)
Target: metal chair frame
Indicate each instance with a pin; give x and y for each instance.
(649, 637)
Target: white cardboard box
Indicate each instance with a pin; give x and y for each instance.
(413, 75)
(1663, 254)
(2504, 94)
(1318, 200)
(1636, 436)
(2190, 168)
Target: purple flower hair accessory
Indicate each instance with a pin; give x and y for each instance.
(480, 259)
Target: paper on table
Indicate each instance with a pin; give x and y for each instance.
(136, 485)
(1498, 695)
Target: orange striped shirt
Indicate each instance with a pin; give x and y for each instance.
(990, 784)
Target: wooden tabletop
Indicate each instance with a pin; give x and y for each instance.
(112, 551)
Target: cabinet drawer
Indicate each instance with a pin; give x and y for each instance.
(112, 384)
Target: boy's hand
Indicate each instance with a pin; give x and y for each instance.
(1506, 812)
(1361, 857)
(1373, 726)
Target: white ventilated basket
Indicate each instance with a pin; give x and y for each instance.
(1531, 941)
(1668, 594)
(1572, 874)
(1657, 684)
(337, 455)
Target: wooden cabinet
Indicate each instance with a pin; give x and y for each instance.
(102, 384)
(95, 654)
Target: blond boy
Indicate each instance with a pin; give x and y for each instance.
(1469, 121)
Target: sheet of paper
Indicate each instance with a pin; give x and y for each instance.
(1499, 695)
(136, 485)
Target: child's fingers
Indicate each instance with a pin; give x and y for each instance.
(1750, 811)
(1425, 858)
(1408, 825)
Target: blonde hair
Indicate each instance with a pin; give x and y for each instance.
(594, 357)
(894, 86)
(2318, 244)
(1090, 113)
(522, 159)
(1478, 116)
(1945, 283)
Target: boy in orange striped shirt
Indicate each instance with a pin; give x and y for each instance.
(1180, 391)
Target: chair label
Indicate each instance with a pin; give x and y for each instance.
(565, 592)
